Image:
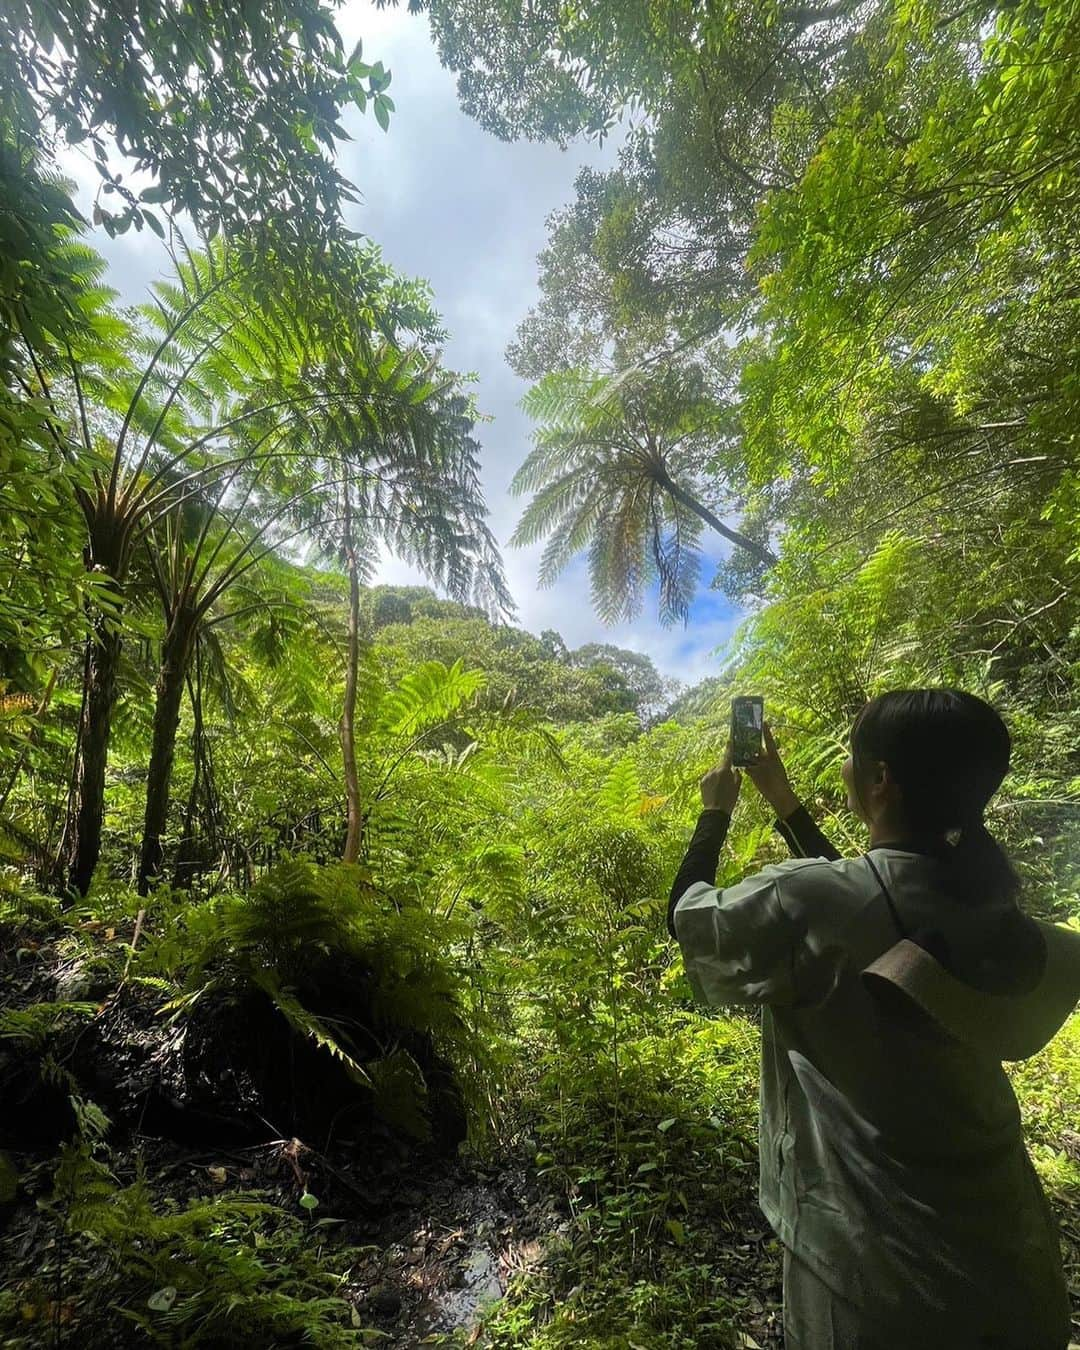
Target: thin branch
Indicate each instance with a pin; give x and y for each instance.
(79, 395)
(145, 378)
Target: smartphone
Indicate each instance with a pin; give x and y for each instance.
(747, 716)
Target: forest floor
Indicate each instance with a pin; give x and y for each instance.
(427, 1246)
(432, 1246)
(438, 1243)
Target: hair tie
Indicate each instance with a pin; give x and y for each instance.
(975, 821)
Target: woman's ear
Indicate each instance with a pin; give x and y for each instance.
(887, 792)
(880, 788)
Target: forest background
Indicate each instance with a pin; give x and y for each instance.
(821, 305)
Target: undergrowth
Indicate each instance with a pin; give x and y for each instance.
(229, 1271)
(641, 1112)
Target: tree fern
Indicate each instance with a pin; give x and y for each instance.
(616, 470)
(279, 937)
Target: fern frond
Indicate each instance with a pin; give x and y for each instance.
(620, 797)
(427, 696)
(305, 1022)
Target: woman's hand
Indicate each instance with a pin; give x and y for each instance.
(770, 777)
(720, 786)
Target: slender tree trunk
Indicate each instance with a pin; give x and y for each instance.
(107, 551)
(186, 861)
(347, 729)
(710, 518)
(103, 661)
(175, 655)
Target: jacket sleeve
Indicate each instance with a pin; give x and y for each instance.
(740, 945)
(803, 837)
(702, 857)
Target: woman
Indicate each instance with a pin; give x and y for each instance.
(893, 1167)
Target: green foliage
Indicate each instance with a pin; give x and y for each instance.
(1048, 1088)
(20, 905)
(296, 924)
(427, 697)
(222, 1271)
(33, 1027)
(520, 669)
(401, 1093)
(828, 291)
(282, 75)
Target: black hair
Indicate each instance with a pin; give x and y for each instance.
(948, 752)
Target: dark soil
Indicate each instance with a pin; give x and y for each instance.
(232, 1070)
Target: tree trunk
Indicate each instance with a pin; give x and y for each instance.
(103, 661)
(175, 655)
(347, 729)
(700, 510)
(186, 851)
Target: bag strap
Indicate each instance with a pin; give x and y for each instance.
(885, 892)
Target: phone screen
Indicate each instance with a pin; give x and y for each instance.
(747, 715)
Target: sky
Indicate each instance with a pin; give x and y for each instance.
(450, 202)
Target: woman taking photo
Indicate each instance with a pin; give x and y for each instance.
(893, 1167)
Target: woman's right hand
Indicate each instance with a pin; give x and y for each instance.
(769, 776)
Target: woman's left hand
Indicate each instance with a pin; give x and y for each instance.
(720, 786)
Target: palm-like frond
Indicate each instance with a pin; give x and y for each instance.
(601, 471)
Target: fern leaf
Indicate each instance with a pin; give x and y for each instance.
(429, 695)
(621, 795)
(307, 1024)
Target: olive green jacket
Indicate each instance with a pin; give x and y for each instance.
(892, 1157)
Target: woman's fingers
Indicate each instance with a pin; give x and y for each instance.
(720, 786)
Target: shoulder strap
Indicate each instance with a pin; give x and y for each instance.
(885, 892)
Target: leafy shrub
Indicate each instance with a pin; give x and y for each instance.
(233, 1271)
(1048, 1089)
(365, 981)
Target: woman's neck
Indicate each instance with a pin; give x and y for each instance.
(889, 832)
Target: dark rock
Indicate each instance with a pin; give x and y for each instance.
(384, 1302)
(82, 983)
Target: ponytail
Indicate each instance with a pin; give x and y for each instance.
(979, 871)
